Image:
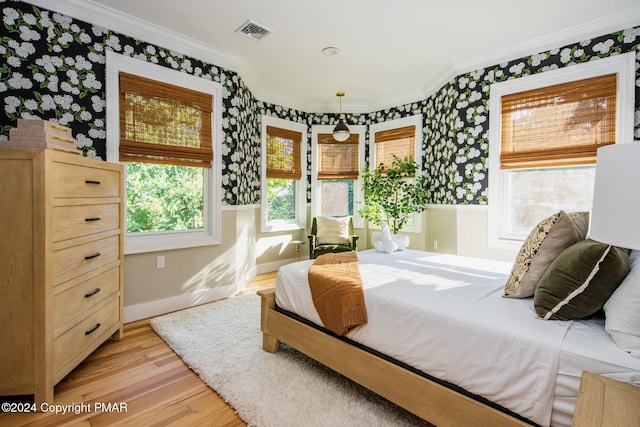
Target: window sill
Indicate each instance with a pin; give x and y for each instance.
(507, 244)
(285, 226)
(135, 244)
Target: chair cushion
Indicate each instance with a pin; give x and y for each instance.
(332, 230)
(325, 249)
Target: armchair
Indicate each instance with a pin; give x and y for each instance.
(331, 234)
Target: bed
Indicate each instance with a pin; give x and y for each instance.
(443, 343)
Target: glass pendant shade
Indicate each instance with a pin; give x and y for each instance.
(341, 132)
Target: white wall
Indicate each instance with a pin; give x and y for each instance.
(195, 275)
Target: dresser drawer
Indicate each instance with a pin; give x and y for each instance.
(86, 333)
(81, 181)
(83, 297)
(76, 260)
(76, 221)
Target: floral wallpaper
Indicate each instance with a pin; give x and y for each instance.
(456, 146)
(53, 68)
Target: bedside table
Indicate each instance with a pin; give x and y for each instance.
(606, 402)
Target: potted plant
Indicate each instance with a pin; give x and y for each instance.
(392, 194)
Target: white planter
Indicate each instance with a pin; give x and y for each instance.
(402, 241)
(384, 241)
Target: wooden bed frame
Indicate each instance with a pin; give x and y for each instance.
(425, 398)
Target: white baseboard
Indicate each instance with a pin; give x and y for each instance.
(268, 267)
(180, 302)
(247, 276)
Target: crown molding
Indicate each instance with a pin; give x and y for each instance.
(605, 25)
(396, 101)
(97, 14)
(441, 78)
(318, 107)
(93, 13)
(270, 97)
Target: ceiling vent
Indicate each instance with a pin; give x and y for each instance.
(253, 30)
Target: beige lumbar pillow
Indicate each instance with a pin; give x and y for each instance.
(545, 242)
(332, 230)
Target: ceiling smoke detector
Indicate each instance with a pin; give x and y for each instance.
(330, 51)
(253, 30)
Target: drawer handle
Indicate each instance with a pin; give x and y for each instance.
(96, 255)
(91, 181)
(92, 330)
(94, 218)
(92, 293)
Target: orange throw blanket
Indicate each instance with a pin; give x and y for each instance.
(336, 290)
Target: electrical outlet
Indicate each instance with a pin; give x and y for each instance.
(435, 244)
(160, 261)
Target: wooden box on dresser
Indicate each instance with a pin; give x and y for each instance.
(61, 260)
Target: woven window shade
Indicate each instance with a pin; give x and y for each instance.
(399, 141)
(163, 123)
(283, 153)
(558, 125)
(337, 160)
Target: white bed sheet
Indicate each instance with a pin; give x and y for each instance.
(446, 316)
(588, 347)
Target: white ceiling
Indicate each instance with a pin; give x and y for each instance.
(391, 52)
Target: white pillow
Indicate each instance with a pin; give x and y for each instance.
(622, 310)
(332, 231)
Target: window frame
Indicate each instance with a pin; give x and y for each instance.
(414, 224)
(300, 221)
(623, 65)
(211, 233)
(316, 199)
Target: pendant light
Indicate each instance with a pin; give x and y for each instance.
(341, 131)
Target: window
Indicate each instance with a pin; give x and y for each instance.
(164, 131)
(400, 142)
(544, 138)
(336, 188)
(403, 138)
(284, 197)
(558, 125)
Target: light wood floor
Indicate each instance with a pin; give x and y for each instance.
(142, 372)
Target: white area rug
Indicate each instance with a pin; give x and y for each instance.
(222, 343)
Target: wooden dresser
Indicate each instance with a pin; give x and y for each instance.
(61, 258)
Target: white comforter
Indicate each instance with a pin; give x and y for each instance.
(446, 316)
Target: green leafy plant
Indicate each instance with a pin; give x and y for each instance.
(392, 194)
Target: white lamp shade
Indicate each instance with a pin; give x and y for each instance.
(615, 215)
